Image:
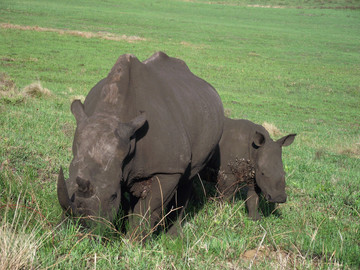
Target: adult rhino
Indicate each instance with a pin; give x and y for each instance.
(247, 154)
(148, 127)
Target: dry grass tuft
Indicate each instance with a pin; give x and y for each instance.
(10, 92)
(18, 243)
(227, 112)
(36, 90)
(79, 97)
(272, 129)
(17, 249)
(102, 35)
(278, 259)
(283, 259)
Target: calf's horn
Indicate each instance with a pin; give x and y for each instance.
(62, 192)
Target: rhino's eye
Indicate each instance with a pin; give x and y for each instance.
(113, 197)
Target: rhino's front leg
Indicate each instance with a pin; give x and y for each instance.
(149, 211)
(252, 202)
(178, 205)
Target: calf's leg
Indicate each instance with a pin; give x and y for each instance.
(252, 202)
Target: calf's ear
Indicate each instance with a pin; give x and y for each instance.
(259, 139)
(77, 109)
(286, 140)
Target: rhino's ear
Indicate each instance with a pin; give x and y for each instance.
(259, 139)
(286, 140)
(77, 109)
(137, 122)
(127, 130)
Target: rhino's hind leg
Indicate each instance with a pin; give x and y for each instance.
(150, 212)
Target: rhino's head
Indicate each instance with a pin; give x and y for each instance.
(101, 144)
(269, 171)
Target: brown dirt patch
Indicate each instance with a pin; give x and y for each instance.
(226, 3)
(6, 83)
(352, 151)
(195, 46)
(102, 35)
(8, 89)
(265, 6)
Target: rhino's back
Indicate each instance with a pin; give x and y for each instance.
(184, 113)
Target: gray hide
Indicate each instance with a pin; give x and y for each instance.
(146, 120)
(248, 155)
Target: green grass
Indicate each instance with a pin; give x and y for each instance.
(295, 68)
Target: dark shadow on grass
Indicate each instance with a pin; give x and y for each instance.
(203, 191)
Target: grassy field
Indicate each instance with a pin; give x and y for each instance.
(271, 61)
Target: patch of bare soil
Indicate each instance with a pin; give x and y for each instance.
(265, 6)
(68, 129)
(8, 88)
(352, 151)
(102, 35)
(194, 46)
(225, 3)
(6, 83)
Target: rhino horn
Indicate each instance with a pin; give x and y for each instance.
(62, 192)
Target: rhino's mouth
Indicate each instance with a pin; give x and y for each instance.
(280, 198)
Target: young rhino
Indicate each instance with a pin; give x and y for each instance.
(246, 153)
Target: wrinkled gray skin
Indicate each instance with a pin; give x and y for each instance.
(146, 120)
(243, 139)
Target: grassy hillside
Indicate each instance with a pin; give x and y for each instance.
(297, 69)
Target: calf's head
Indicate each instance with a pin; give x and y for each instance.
(101, 144)
(269, 171)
